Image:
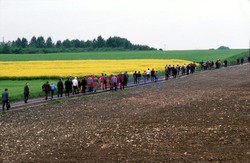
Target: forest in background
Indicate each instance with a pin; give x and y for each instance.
(41, 45)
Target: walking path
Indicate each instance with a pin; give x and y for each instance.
(41, 100)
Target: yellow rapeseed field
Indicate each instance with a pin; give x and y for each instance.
(81, 67)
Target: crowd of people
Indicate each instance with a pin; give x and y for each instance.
(241, 61)
(91, 83)
(210, 64)
(179, 70)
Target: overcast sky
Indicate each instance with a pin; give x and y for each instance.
(170, 24)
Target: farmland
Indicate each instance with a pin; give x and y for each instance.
(81, 67)
(190, 55)
(38, 68)
(200, 118)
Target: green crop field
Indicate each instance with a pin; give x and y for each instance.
(192, 55)
(16, 86)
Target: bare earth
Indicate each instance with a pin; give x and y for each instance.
(203, 117)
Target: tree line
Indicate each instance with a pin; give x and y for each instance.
(42, 45)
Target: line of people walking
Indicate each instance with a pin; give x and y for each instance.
(147, 75)
(91, 83)
(177, 70)
(210, 64)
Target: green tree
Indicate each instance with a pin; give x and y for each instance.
(76, 43)
(88, 44)
(49, 43)
(33, 42)
(18, 42)
(59, 44)
(66, 43)
(24, 43)
(6, 48)
(100, 42)
(223, 48)
(40, 42)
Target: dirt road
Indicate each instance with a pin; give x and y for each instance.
(203, 117)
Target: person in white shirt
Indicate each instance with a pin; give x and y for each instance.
(75, 85)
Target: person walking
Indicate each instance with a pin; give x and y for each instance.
(102, 81)
(90, 83)
(148, 72)
(202, 65)
(138, 77)
(225, 63)
(188, 69)
(135, 77)
(178, 68)
(152, 75)
(67, 87)
(105, 80)
(174, 72)
(242, 61)
(183, 69)
(71, 84)
(126, 76)
(46, 89)
(5, 99)
(84, 83)
(156, 76)
(144, 77)
(95, 83)
(121, 80)
(75, 85)
(166, 73)
(114, 82)
(26, 92)
(60, 88)
(212, 65)
(192, 69)
(238, 61)
(170, 69)
(52, 90)
(79, 85)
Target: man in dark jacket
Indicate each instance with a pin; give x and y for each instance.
(126, 76)
(26, 92)
(152, 75)
(60, 88)
(46, 89)
(188, 69)
(174, 71)
(225, 63)
(84, 84)
(242, 61)
(135, 77)
(68, 87)
(5, 99)
(238, 61)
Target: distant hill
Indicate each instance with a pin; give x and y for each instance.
(223, 48)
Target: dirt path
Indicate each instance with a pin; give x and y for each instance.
(204, 117)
